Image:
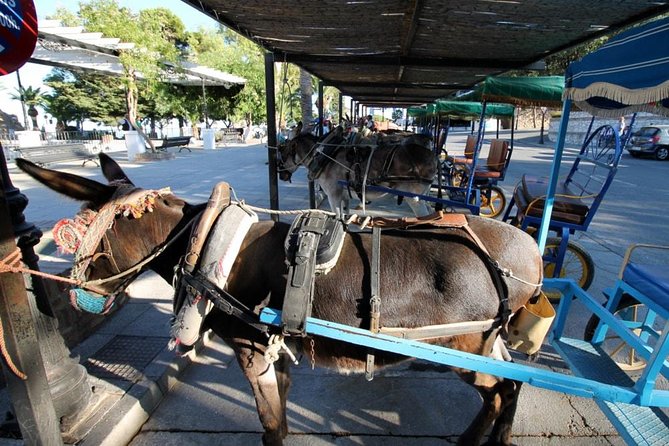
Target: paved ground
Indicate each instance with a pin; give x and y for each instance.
(203, 399)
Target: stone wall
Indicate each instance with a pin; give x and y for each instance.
(579, 122)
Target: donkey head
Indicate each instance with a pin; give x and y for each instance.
(117, 228)
(287, 163)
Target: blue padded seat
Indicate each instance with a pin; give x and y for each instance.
(651, 280)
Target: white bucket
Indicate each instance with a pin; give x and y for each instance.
(208, 139)
(134, 143)
(530, 325)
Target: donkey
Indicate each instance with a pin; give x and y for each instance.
(428, 277)
(405, 164)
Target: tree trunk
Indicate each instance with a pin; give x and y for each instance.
(131, 96)
(306, 91)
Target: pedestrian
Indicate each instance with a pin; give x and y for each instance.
(620, 127)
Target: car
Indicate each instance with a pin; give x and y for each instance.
(650, 140)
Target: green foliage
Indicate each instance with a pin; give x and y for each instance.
(557, 64)
(227, 51)
(397, 114)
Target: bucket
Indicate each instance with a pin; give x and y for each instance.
(530, 325)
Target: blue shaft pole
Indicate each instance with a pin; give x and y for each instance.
(555, 172)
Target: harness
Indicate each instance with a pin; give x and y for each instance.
(313, 245)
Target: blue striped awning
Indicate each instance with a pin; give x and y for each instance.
(629, 73)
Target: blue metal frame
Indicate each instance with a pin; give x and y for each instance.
(565, 229)
(473, 208)
(537, 377)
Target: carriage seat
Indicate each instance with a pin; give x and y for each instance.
(470, 149)
(650, 280)
(496, 161)
(530, 198)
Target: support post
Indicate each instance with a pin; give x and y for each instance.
(272, 145)
(341, 108)
(66, 394)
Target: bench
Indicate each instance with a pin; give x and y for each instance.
(232, 134)
(174, 141)
(56, 153)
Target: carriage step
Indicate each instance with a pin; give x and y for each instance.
(637, 425)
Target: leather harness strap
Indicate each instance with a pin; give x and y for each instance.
(301, 271)
(375, 297)
(455, 221)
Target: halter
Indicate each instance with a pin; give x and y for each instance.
(82, 235)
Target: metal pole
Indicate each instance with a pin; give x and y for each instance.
(271, 134)
(70, 393)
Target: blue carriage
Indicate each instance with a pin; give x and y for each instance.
(628, 74)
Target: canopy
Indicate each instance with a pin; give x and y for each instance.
(542, 91)
(629, 73)
(460, 109)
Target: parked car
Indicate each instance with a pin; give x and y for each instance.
(650, 140)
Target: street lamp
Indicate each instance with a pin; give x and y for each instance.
(543, 118)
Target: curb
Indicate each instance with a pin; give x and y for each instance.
(127, 416)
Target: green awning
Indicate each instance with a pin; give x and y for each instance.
(542, 91)
(465, 109)
(422, 110)
(461, 109)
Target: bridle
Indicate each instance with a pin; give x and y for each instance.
(88, 230)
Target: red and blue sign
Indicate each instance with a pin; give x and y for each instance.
(18, 33)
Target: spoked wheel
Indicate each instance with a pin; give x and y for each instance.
(493, 206)
(577, 265)
(633, 313)
(458, 175)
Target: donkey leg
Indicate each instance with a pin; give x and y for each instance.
(510, 391)
(488, 387)
(500, 398)
(282, 367)
(265, 386)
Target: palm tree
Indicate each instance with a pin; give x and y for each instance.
(30, 97)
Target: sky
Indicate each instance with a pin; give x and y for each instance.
(32, 74)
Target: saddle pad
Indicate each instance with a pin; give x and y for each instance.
(218, 255)
(650, 280)
(535, 187)
(329, 244)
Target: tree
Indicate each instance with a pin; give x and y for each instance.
(306, 93)
(77, 96)
(227, 51)
(30, 97)
(158, 36)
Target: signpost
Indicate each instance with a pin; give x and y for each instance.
(18, 34)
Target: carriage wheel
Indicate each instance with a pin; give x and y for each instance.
(458, 176)
(493, 206)
(577, 265)
(632, 312)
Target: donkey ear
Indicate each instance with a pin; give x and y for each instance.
(111, 170)
(70, 185)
